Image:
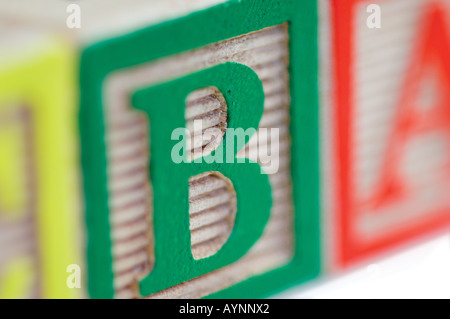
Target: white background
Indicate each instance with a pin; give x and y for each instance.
(422, 271)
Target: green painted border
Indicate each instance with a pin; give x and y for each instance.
(223, 21)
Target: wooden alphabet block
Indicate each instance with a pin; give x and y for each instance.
(391, 124)
(183, 251)
(38, 182)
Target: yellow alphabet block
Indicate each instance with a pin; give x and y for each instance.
(38, 184)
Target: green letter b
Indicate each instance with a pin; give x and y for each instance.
(164, 105)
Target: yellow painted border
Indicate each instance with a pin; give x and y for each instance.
(43, 76)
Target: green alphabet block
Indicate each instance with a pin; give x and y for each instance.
(138, 85)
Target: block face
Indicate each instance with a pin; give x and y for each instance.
(115, 213)
(391, 124)
(252, 50)
(38, 185)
